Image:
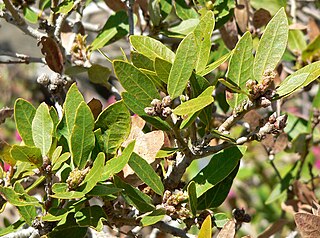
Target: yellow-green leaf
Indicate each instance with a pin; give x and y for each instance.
(206, 228)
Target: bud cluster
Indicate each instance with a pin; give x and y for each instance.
(76, 176)
(160, 108)
(174, 204)
(54, 82)
(240, 216)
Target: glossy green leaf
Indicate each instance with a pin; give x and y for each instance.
(231, 85)
(36, 183)
(73, 100)
(312, 50)
(55, 214)
(151, 48)
(155, 79)
(23, 115)
(69, 227)
(55, 119)
(99, 74)
(296, 41)
(183, 11)
(162, 68)
(114, 122)
(215, 196)
(5, 154)
(189, 120)
(64, 7)
(272, 6)
(141, 61)
(94, 175)
(135, 82)
(272, 45)
(185, 27)
(206, 228)
(30, 15)
(101, 190)
(220, 167)
(134, 196)
(165, 152)
(60, 190)
(146, 173)
(165, 7)
(138, 107)
(60, 160)
(29, 213)
(220, 219)
(18, 199)
(82, 138)
(116, 164)
(91, 217)
(29, 154)
(291, 85)
(209, 68)
(240, 68)
(195, 104)
(42, 129)
(115, 28)
(203, 34)
(192, 194)
(154, 12)
(182, 66)
(153, 217)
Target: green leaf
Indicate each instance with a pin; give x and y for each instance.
(296, 41)
(220, 167)
(60, 160)
(55, 120)
(114, 122)
(12, 228)
(195, 104)
(154, 78)
(271, 6)
(138, 108)
(60, 191)
(23, 115)
(135, 82)
(30, 15)
(91, 217)
(29, 213)
(101, 190)
(272, 45)
(35, 183)
(209, 68)
(94, 175)
(215, 196)
(162, 68)
(203, 34)
(151, 48)
(165, 8)
(154, 12)
(220, 219)
(312, 50)
(206, 228)
(289, 86)
(192, 194)
(141, 61)
(185, 27)
(231, 85)
(182, 66)
(42, 129)
(73, 100)
(64, 7)
(190, 119)
(69, 227)
(183, 11)
(116, 27)
(240, 68)
(166, 152)
(146, 173)
(134, 196)
(55, 214)
(153, 217)
(29, 154)
(82, 138)
(99, 74)
(115, 165)
(18, 199)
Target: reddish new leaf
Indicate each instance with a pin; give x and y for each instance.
(52, 53)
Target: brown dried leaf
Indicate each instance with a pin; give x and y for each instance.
(253, 119)
(229, 33)
(52, 53)
(261, 18)
(281, 143)
(304, 193)
(308, 224)
(273, 229)
(95, 107)
(241, 13)
(313, 29)
(228, 230)
(116, 5)
(5, 113)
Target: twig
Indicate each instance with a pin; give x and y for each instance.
(130, 17)
(22, 59)
(166, 228)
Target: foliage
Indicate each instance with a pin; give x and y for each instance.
(173, 144)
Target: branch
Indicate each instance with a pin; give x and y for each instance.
(21, 58)
(130, 17)
(19, 22)
(167, 229)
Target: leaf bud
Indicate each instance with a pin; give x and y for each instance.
(250, 84)
(43, 79)
(281, 122)
(166, 101)
(166, 112)
(150, 111)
